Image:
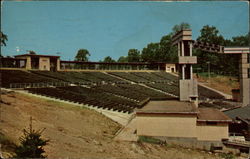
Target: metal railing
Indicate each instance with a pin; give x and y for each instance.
(39, 85)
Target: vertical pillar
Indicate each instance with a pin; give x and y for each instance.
(244, 80)
(191, 72)
(191, 48)
(28, 63)
(183, 72)
(182, 48)
(179, 49)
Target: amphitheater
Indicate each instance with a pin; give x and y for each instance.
(115, 91)
(147, 102)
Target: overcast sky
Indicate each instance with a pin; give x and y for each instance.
(110, 28)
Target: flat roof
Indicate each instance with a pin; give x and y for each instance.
(168, 107)
(35, 55)
(212, 114)
(116, 63)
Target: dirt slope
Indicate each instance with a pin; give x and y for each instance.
(76, 132)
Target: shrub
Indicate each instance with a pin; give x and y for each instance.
(31, 144)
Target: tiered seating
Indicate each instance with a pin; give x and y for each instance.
(64, 76)
(207, 93)
(104, 77)
(132, 91)
(168, 87)
(80, 77)
(144, 90)
(148, 76)
(129, 76)
(18, 76)
(88, 96)
(166, 76)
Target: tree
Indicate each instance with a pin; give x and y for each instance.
(241, 40)
(210, 34)
(168, 52)
(108, 59)
(82, 55)
(180, 27)
(3, 38)
(31, 52)
(219, 63)
(150, 52)
(31, 144)
(123, 59)
(133, 55)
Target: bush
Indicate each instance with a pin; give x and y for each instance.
(150, 140)
(31, 144)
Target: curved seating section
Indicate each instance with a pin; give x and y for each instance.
(80, 77)
(104, 89)
(89, 97)
(17, 76)
(132, 91)
(207, 93)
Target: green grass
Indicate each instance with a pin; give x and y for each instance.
(227, 156)
(149, 140)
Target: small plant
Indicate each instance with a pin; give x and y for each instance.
(227, 156)
(150, 140)
(31, 144)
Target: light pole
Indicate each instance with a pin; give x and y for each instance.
(208, 72)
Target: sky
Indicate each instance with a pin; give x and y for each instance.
(109, 28)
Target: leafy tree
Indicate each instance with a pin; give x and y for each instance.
(108, 59)
(31, 144)
(241, 40)
(31, 52)
(3, 38)
(168, 53)
(123, 59)
(180, 27)
(219, 63)
(149, 54)
(210, 34)
(133, 55)
(82, 55)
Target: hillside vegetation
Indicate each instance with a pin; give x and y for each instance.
(77, 133)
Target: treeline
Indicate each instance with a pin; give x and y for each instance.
(219, 63)
(163, 51)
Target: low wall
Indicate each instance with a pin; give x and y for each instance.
(212, 132)
(166, 125)
(190, 142)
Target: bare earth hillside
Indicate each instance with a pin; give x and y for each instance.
(77, 132)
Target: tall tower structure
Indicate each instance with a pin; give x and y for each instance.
(187, 84)
(244, 66)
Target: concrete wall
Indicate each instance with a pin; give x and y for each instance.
(169, 68)
(58, 64)
(188, 88)
(44, 63)
(190, 142)
(166, 125)
(180, 127)
(187, 60)
(212, 132)
(244, 80)
(28, 62)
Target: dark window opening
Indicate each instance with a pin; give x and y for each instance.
(248, 72)
(211, 123)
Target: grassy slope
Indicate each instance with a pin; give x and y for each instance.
(222, 83)
(76, 132)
